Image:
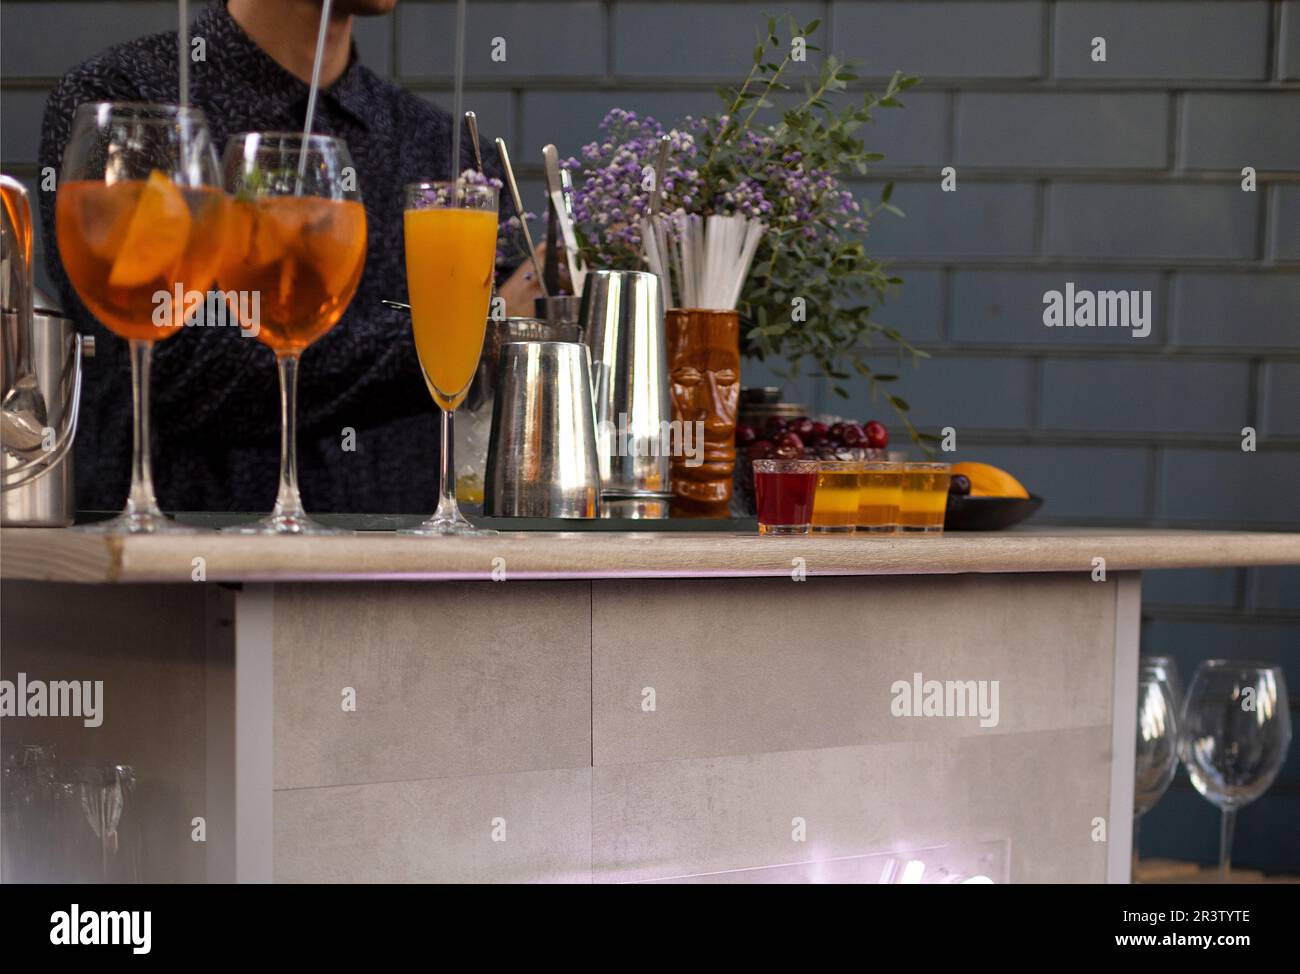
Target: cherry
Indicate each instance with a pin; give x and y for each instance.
(760, 449)
(820, 429)
(745, 435)
(853, 436)
(805, 427)
(790, 439)
(837, 430)
(774, 426)
(877, 435)
(787, 452)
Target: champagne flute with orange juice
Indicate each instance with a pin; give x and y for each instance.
(297, 249)
(451, 234)
(140, 218)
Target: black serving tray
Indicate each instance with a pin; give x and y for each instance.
(966, 513)
(215, 520)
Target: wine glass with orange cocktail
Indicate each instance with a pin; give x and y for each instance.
(297, 247)
(139, 218)
(451, 234)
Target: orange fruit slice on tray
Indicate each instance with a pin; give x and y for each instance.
(155, 237)
(987, 480)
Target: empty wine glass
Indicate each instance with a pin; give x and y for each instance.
(1157, 745)
(1167, 667)
(1236, 728)
(104, 790)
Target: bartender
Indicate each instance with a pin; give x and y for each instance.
(368, 439)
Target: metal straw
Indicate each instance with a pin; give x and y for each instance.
(311, 94)
(459, 101)
(183, 49)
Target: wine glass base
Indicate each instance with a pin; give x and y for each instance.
(139, 522)
(291, 524)
(456, 526)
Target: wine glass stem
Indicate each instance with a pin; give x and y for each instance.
(1226, 826)
(288, 501)
(141, 499)
(447, 469)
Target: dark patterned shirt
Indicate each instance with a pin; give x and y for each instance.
(216, 420)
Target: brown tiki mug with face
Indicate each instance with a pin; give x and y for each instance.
(704, 379)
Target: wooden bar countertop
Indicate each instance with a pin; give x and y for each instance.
(69, 555)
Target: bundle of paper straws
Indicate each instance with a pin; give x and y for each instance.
(702, 261)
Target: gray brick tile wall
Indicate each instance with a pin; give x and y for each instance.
(43, 40)
(495, 110)
(992, 307)
(943, 40)
(1229, 485)
(681, 41)
(1072, 130)
(1273, 588)
(967, 393)
(1227, 310)
(21, 110)
(1145, 396)
(1284, 223)
(1280, 394)
(1150, 220)
(374, 38)
(978, 220)
(1288, 46)
(542, 40)
(1163, 40)
(1216, 587)
(1232, 130)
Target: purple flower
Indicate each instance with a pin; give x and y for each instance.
(752, 174)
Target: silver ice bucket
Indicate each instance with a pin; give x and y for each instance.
(40, 392)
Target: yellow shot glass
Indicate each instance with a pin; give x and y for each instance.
(835, 505)
(925, 497)
(880, 492)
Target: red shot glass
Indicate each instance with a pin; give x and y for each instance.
(783, 494)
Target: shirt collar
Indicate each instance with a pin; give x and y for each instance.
(233, 55)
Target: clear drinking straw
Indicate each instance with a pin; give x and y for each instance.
(458, 98)
(183, 53)
(311, 93)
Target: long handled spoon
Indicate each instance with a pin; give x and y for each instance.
(471, 123)
(661, 165)
(519, 208)
(563, 207)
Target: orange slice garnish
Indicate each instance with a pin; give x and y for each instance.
(156, 236)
